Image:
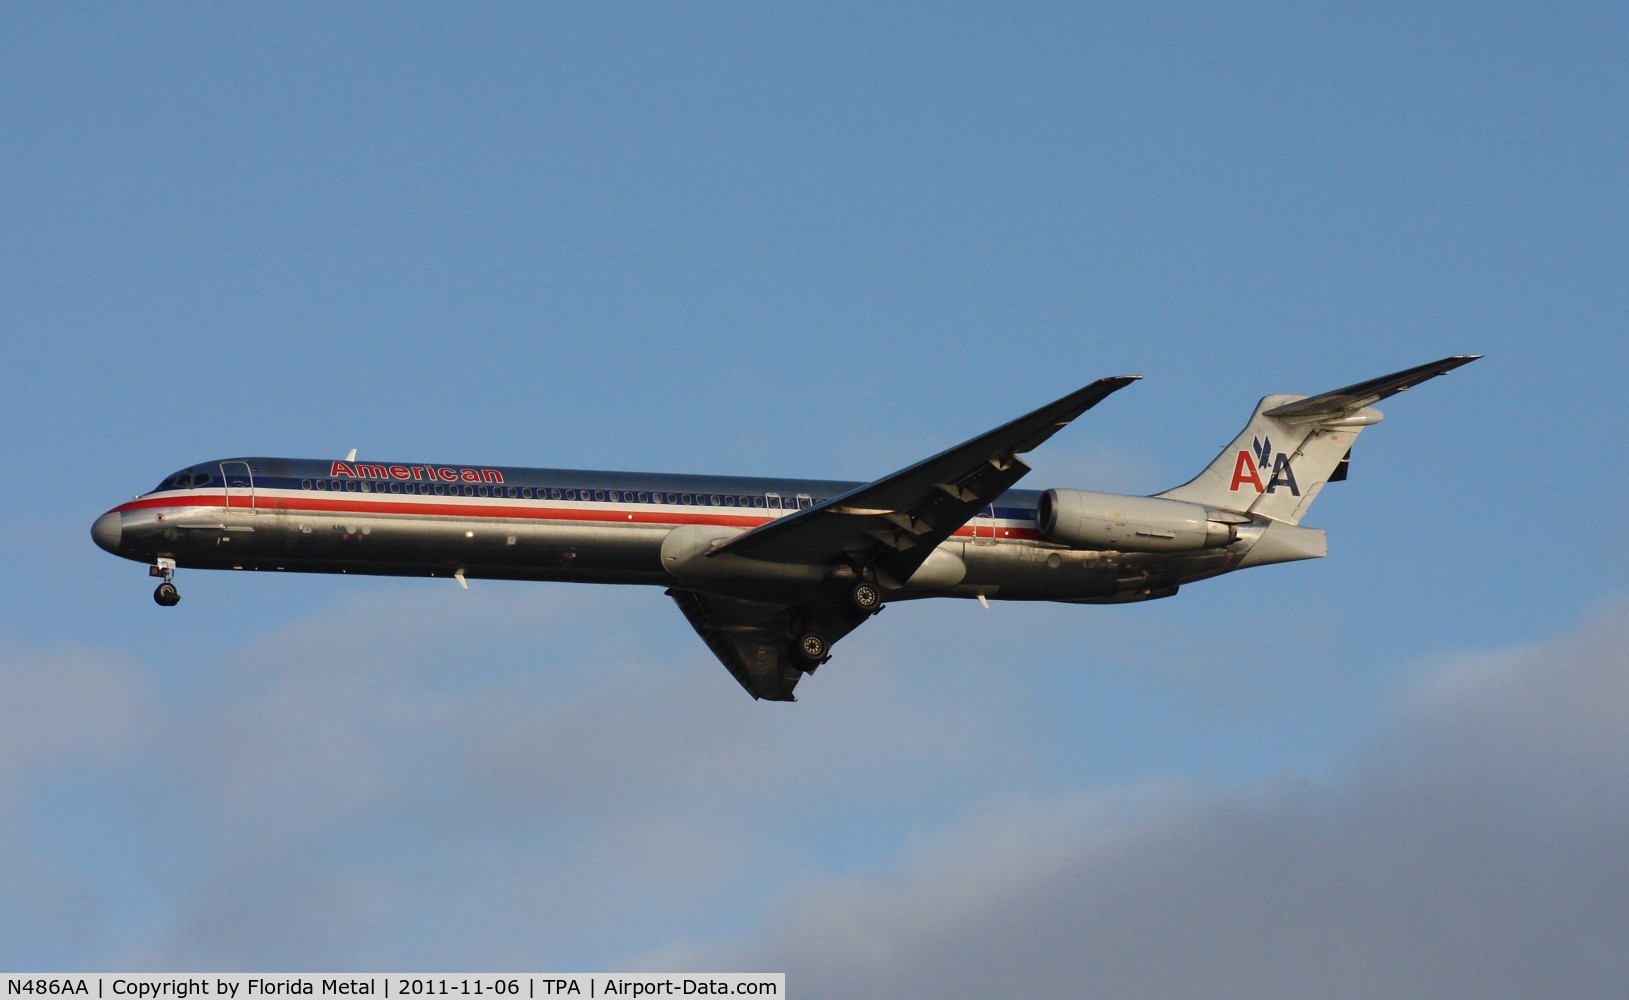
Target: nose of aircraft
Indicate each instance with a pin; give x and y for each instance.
(107, 531)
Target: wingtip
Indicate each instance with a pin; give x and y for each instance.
(1452, 362)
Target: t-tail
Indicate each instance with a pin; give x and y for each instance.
(1294, 445)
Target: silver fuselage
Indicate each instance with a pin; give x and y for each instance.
(511, 523)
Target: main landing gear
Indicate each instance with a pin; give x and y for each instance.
(866, 597)
(811, 638)
(166, 595)
(812, 648)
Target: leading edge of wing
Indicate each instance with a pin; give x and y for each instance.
(896, 491)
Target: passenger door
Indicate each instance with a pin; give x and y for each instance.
(240, 487)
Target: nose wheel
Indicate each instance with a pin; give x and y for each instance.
(166, 595)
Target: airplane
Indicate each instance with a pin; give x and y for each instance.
(771, 573)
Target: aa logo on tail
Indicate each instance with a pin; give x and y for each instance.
(1250, 465)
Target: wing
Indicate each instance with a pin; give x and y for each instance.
(754, 640)
(892, 524)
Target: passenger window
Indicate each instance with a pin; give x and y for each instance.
(685, 499)
(554, 494)
(322, 484)
(614, 496)
(469, 491)
(729, 501)
(715, 499)
(599, 495)
(643, 497)
(305, 484)
(757, 501)
(525, 492)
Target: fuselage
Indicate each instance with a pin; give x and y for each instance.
(770, 573)
(478, 521)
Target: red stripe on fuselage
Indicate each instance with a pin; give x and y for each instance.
(420, 508)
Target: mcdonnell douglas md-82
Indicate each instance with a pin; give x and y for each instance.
(772, 573)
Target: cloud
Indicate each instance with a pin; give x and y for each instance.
(552, 777)
(531, 778)
(1478, 850)
(65, 713)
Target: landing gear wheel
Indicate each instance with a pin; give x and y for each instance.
(166, 595)
(811, 647)
(866, 597)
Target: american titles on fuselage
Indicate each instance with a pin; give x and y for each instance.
(414, 473)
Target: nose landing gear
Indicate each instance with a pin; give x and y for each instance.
(166, 595)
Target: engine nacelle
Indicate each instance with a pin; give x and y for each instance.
(1087, 520)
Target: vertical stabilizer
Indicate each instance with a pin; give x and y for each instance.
(1276, 467)
(1293, 445)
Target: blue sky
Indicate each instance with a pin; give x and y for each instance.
(825, 241)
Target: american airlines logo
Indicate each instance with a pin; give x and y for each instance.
(1251, 465)
(414, 473)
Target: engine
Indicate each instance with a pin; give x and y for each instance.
(1087, 520)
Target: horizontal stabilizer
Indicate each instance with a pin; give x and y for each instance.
(1356, 397)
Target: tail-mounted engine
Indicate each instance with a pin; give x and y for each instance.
(1086, 520)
